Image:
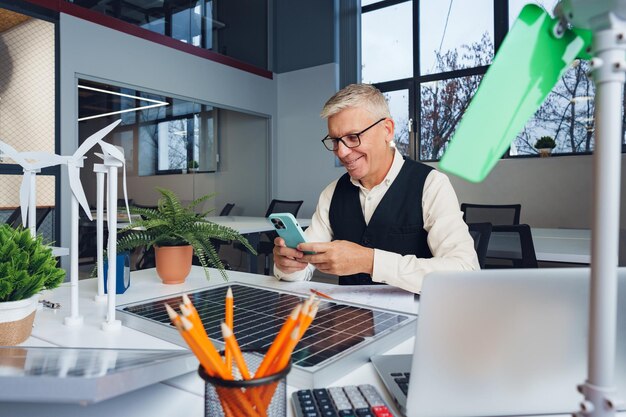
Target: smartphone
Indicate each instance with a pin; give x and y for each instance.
(288, 228)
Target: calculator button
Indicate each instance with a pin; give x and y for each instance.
(346, 413)
(381, 411)
(364, 412)
(330, 413)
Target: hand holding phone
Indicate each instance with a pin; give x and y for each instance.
(288, 228)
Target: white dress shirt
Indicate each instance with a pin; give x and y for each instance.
(448, 237)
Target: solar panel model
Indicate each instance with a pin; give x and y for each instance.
(342, 337)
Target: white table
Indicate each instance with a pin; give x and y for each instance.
(181, 395)
(551, 245)
(251, 227)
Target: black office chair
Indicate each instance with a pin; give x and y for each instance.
(227, 208)
(480, 232)
(496, 214)
(524, 240)
(266, 243)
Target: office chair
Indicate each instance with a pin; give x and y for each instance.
(266, 246)
(227, 208)
(496, 214)
(480, 232)
(523, 242)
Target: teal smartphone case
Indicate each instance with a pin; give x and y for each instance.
(288, 228)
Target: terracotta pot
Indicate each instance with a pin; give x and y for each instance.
(16, 320)
(173, 263)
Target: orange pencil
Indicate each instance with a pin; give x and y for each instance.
(229, 319)
(281, 361)
(321, 294)
(208, 349)
(231, 343)
(192, 314)
(306, 322)
(282, 335)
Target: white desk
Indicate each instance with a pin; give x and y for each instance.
(251, 227)
(551, 245)
(182, 395)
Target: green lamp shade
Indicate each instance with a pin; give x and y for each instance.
(526, 68)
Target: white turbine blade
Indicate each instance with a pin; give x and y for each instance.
(77, 189)
(93, 139)
(44, 159)
(117, 152)
(25, 195)
(12, 153)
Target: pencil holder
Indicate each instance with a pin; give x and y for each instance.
(257, 397)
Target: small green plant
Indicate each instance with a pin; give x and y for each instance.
(193, 164)
(545, 142)
(26, 265)
(172, 224)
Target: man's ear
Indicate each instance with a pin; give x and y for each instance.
(390, 128)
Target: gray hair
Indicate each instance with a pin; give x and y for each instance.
(364, 96)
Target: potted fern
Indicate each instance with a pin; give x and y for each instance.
(177, 233)
(27, 267)
(544, 145)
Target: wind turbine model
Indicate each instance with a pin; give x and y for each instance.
(532, 58)
(74, 164)
(113, 159)
(31, 162)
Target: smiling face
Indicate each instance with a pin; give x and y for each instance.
(370, 161)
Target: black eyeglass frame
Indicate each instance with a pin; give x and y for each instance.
(335, 141)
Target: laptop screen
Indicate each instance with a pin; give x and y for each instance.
(505, 342)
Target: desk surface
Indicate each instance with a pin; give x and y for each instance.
(551, 245)
(159, 400)
(247, 224)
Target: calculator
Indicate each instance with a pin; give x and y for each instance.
(349, 401)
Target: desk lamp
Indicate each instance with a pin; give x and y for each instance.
(533, 56)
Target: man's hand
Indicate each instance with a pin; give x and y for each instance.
(339, 257)
(287, 259)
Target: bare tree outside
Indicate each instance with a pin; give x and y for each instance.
(444, 102)
(567, 115)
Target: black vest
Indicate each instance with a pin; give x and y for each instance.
(397, 224)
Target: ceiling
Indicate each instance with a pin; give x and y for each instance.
(9, 19)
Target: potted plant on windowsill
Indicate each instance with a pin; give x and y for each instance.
(177, 233)
(27, 267)
(544, 145)
(193, 165)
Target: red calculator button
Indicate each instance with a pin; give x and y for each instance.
(381, 411)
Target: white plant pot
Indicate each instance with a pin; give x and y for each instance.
(16, 320)
(543, 152)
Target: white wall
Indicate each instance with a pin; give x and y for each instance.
(554, 192)
(242, 176)
(91, 50)
(304, 167)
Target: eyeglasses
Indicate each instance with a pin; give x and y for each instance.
(351, 140)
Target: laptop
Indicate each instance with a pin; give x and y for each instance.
(500, 343)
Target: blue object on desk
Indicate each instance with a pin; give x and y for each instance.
(122, 273)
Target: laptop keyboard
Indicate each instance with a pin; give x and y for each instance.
(402, 379)
(348, 401)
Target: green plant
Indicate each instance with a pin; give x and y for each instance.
(172, 224)
(193, 164)
(26, 265)
(545, 142)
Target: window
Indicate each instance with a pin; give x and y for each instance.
(169, 135)
(430, 61)
(28, 121)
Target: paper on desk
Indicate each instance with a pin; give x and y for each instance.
(382, 296)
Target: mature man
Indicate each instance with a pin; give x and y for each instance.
(387, 220)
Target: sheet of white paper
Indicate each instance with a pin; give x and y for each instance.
(382, 296)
